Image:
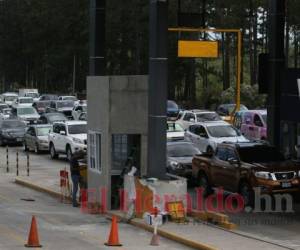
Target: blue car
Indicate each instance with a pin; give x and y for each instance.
(172, 110)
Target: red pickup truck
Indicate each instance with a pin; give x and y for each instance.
(243, 166)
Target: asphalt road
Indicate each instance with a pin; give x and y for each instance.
(60, 225)
(279, 228)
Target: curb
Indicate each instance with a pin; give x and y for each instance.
(38, 188)
(167, 235)
(161, 232)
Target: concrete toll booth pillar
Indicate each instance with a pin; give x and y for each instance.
(117, 131)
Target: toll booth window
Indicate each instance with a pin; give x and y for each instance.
(94, 151)
(119, 151)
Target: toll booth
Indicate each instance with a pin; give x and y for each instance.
(117, 131)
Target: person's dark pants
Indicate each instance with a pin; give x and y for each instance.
(75, 180)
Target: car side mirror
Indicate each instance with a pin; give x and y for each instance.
(62, 132)
(203, 135)
(192, 120)
(233, 161)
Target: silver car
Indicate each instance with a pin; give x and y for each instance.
(36, 138)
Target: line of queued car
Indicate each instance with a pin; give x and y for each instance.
(51, 123)
(211, 152)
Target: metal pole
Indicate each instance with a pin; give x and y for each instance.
(97, 64)
(7, 162)
(74, 75)
(17, 162)
(238, 73)
(157, 104)
(27, 156)
(276, 64)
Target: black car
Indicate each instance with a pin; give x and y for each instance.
(64, 107)
(50, 118)
(12, 131)
(41, 106)
(180, 155)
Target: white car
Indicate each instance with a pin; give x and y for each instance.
(190, 117)
(9, 98)
(77, 110)
(24, 102)
(67, 137)
(5, 113)
(207, 135)
(174, 131)
(69, 98)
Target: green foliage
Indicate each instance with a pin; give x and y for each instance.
(249, 96)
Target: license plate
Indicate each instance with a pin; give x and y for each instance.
(286, 184)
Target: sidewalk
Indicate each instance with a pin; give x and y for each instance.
(46, 179)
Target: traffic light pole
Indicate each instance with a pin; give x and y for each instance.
(157, 103)
(276, 64)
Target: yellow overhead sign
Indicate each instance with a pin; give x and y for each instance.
(208, 49)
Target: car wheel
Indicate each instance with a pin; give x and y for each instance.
(204, 184)
(53, 153)
(247, 193)
(1, 142)
(69, 153)
(36, 149)
(209, 150)
(25, 147)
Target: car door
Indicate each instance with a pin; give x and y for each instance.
(61, 138)
(201, 138)
(188, 119)
(229, 173)
(258, 125)
(55, 135)
(217, 164)
(28, 138)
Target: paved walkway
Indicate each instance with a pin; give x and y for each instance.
(45, 173)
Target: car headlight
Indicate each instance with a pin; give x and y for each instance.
(264, 175)
(76, 140)
(175, 165)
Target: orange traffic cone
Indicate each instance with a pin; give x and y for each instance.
(33, 238)
(114, 235)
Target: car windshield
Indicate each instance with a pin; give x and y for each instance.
(42, 104)
(42, 131)
(77, 129)
(260, 154)
(33, 95)
(264, 118)
(13, 124)
(182, 150)
(26, 111)
(10, 98)
(174, 127)
(222, 131)
(172, 105)
(25, 100)
(65, 104)
(208, 117)
(56, 117)
(69, 98)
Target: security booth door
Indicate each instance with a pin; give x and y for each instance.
(126, 152)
